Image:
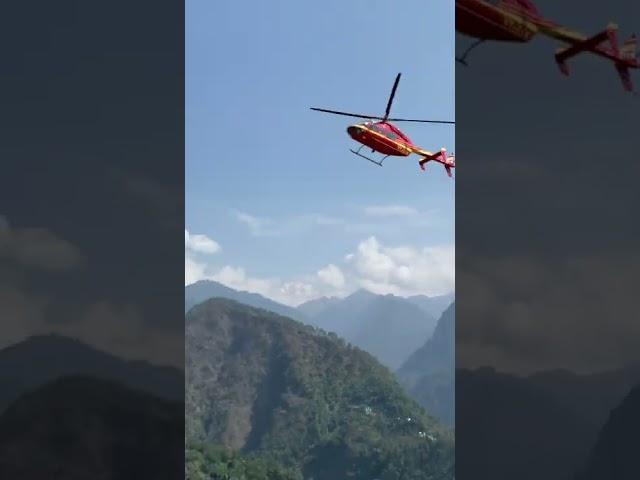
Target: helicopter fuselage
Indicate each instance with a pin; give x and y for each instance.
(382, 137)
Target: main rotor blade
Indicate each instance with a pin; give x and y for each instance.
(421, 121)
(373, 117)
(356, 115)
(393, 94)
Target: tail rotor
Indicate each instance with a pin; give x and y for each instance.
(448, 161)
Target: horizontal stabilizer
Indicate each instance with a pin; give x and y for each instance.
(589, 44)
(448, 161)
(584, 46)
(623, 57)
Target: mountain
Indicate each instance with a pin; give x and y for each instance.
(41, 359)
(615, 454)
(266, 385)
(506, 428)
(315, 307)
(434, 306)
(428, 374)
(77, 428)
(205, 289)
(386, 326)
(591, 396)
(560, 412)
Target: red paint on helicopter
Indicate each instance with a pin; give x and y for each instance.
(385, 138)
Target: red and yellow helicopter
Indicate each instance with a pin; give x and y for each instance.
(519, 21)
(388, 140)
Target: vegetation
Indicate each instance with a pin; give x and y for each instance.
(206, 462)
(80, 427)
(296, 398)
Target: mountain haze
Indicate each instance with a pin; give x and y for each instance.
(315, 307)
(591, 396)
(264, 384)
(386, 326)
(564, 413)
(41, 359)
(435, 306)
(428, 374)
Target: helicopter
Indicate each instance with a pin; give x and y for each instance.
(519, 21)
(386, 139)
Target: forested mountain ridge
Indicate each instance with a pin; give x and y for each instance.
(76, 428)
(263, 384)
(387, 326)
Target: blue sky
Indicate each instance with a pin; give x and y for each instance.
(287, 210)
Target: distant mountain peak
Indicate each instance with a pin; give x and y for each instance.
(362, 293)
(386, 326)
(203, 290)
(40, 359)
(51, 342)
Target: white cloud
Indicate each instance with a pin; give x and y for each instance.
(390, 211)
(295, 293)
(37, 248)
(193, 270)
(258, 226)
(400, 270)
(292, 292)
(287, 292)
(292, 225)
(200, 243)
(249, 220)
(324, 220)
(404, 270)
(332, 276)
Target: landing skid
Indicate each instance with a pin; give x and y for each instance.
(357, 152)
(463, 58)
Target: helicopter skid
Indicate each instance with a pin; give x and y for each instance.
(367, 158)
